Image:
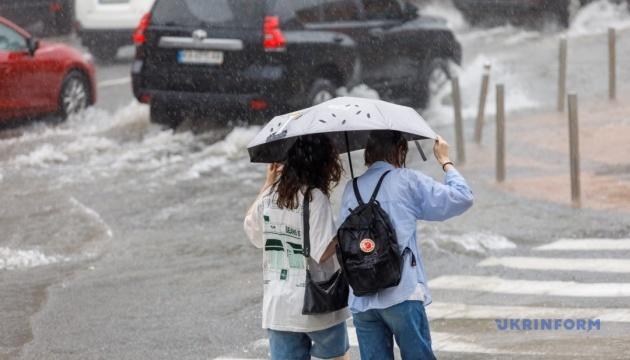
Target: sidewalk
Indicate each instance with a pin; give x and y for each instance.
(537, 157)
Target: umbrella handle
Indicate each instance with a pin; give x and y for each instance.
(424, 157)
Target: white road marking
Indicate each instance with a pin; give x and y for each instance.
(440, 310)
(493, 284)
(114, 82)
(574, 264)
(586, 244)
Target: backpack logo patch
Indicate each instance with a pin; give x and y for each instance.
(367, 245)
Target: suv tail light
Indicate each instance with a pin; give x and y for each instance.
(274, 39)
(139, 37)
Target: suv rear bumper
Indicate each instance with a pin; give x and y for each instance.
(271, 87)
(200, 101)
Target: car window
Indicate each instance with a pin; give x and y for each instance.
(382, 9)
(11, 40)
(228, 13)
(340, 10)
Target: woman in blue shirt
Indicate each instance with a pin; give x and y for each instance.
(407, 196)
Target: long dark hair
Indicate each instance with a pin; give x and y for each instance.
(312, 162)
(386, 145)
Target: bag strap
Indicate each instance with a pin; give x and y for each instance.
(306, 228)
(357, 194)
(378, 186)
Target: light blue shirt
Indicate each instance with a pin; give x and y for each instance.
(407, 196)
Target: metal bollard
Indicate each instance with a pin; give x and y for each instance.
(459, 126)
(500, 156)
(562, 74)
(612, 64)
(481, 114)
(574, 151)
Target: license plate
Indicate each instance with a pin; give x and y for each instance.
(200, 57)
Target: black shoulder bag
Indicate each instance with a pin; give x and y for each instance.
(324, 296)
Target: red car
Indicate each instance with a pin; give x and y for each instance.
(40, 78)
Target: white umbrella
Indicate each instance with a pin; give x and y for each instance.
(348, 121)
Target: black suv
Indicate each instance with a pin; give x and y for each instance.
(279, 55)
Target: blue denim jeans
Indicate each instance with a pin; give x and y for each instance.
(406, 322)
(324, 344)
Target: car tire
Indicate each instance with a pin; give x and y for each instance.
(436, 75)
(74, 96)
(321, 90)
(166, 116)
(104, 54)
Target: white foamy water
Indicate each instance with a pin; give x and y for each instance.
(43, 156)
(474, 243)
(360, 91)
(440, 109)
(445, 9)
(598, 16)
(227, 155)
(11, 259)
(93, 215)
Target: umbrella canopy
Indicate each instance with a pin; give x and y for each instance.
(348, 121)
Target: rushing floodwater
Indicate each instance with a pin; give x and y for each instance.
(108, 198)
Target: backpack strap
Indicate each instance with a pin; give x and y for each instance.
(355, 185)
(306, 227)
(378, 186)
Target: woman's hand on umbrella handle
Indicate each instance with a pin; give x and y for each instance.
(273, 174)
(440, 149)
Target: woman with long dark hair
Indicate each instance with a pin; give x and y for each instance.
(275, 223)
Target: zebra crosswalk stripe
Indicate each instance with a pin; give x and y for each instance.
(572, 264)
(586, 244)
(446, 310)
(497, 285)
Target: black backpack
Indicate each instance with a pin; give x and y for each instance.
(368, 249)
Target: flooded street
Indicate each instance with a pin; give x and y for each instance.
(122, 240)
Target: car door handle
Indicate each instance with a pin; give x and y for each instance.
(338, 39)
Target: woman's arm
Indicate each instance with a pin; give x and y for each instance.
(253, 218)
(330, 251)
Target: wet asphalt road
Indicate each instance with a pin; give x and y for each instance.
(123, 241)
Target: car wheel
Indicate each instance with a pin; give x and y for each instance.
(104, 54)
(163, 115)
(320, 91)
(75, 94)
(436, 77)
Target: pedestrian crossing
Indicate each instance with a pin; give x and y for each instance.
(560, 264)
(548, 287)
(586, 244)
(497, 285)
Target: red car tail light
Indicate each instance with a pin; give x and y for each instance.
(139, 37)
(258, 104)
(274, 39)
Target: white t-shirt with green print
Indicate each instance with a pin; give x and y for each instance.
(279, 233)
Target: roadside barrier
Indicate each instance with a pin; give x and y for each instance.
(562, 73)
(459, 126)
(612, 64)
(481, 114)
(500, 155)
(574, 151)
